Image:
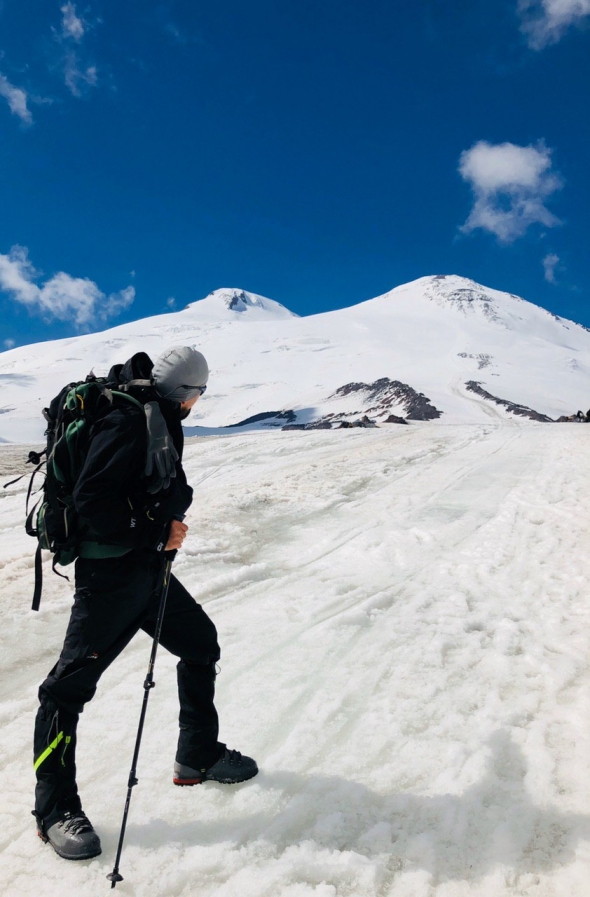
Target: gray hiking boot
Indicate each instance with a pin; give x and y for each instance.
(72, 836)
(230, 769)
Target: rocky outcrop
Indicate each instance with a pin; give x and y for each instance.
(375, 403)
(314, 425)
(378, 398)
(394, 419)
(578, 418)
(512, 407)
(268, 416)
(483, 360)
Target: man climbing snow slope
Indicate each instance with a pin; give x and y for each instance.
(130, 498)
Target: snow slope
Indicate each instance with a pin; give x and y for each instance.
(436, 335)
(404, 623)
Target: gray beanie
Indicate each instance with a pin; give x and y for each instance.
(179, 373)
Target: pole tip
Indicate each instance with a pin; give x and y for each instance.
(114, 877)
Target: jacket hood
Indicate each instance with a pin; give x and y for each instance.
(138, 367)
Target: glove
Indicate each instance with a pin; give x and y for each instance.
(162, 456)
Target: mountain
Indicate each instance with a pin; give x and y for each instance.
(225, 303)
(439, 347)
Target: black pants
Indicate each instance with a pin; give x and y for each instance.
(114, 598)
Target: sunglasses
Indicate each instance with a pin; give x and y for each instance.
(201, 389)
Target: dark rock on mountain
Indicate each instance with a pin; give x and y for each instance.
(519, 410)
(379, 396)
(361, 422)
(483, 360)
(394, 419)
(578, 418)
(314, 425)
(279, 416)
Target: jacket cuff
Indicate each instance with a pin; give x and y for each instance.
(149, 533)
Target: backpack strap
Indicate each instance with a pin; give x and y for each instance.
(12, 482)
(130, 398)
(38, 579)
(30, 492)
(34, 458)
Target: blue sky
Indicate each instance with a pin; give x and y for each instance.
(319, 153)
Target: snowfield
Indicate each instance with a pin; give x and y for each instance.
(404, 622)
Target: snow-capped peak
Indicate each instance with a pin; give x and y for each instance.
(452, 286)
(469, 298)
(241, 302)
(450, 289)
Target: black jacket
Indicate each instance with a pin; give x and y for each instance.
(110, 496)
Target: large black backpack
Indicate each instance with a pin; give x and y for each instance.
(70, 420)
(71, 417)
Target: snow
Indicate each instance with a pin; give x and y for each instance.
(405, 636)
(431, 334)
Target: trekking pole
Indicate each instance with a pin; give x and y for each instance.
(149, 683)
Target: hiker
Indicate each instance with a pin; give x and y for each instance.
(130, 499)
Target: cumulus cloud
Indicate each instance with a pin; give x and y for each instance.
(9, 344)
(550, 263)
(17, 100)
(510, 186)
(545, 21)
(72, 25)
(62, 296)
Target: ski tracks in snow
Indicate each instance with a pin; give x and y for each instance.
(404, 624)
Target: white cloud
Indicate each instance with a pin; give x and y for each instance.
(550, 263)
(62, 296)
(9, 344)
(175, 33)
(72, 25)
(510, 185)
(17, 100)
(545, 21)
(171, 303)
(76, 77)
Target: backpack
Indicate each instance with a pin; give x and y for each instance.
(70, 418)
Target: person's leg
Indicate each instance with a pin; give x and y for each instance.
(111, 599)
(188, 633)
